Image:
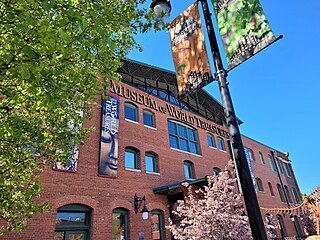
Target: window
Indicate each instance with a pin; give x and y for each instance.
(188, 170)
(278, 165)
(273, 168)
(259, 184)
(271, 189)
(183, 137)
(211, 142)
(130, 112)
(131, 158)
(216, 171)
(269, 222)
(73, 222)
(281, 225)
(157, 225)
(286, 169)
(295, 195)
(280, 193)
(148, 119)
(120, 224)
(261, 158)
(286, 191)
(221, 144)
(151, 163)
(251, 154)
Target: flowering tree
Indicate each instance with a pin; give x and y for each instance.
(214, 212)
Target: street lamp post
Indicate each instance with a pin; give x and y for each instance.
(249, 194)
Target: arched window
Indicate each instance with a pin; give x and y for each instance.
(271, 228)
(120, 229)
(286, 169)
(259, 184)
(131, 112)
(216, 171)
(211, 142)
(148, 119)
(131, 158)
(273, 167)
(281, 225)
(286, 191)
(251, 154)
(73, 221)
(261, 158)
(278, 165)
(221, 144)
(188, 170)
(295, 195)
(157, 225)
(280, 193)
(271, 189)
(183, 137)
(151, 163)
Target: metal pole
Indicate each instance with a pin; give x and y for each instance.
(249, 194)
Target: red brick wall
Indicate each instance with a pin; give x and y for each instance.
(103, 194)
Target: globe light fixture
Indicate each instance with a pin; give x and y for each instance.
(161, 8)
(137, 204)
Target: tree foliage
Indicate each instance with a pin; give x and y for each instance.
(214, 212)
(51, 53)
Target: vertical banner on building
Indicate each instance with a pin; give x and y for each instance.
(249, 160)
(108, 162)
(189, 50)
(243, 28)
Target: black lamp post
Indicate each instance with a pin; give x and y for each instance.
(249, 194)
(137, 204)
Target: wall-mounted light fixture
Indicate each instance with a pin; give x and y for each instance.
(137, 204)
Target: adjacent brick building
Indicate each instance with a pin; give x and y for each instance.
(158, 142)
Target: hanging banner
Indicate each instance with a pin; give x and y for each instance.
(189, 51)
(243, 28)
(249, 160)
(108, 162)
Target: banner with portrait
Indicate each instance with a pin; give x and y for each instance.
(189, 51)
(244, 29)
(108, 161)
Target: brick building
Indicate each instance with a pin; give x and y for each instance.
(149, 143)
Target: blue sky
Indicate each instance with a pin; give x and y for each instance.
(275, 93)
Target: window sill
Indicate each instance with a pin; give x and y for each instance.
(224, 151)
(153, 173)
(131, 121)
(179, 150)
(133, 170)
(153, 128)
(213, 147)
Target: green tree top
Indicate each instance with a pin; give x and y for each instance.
(51, 53)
